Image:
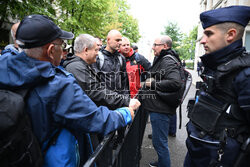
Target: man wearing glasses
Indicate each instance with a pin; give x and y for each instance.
(164, 77)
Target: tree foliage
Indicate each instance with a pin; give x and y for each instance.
(173, 31)
(129, 25)
(187, 49)
(184, 44)
(95, 17)
(17, 9)
(83, 16)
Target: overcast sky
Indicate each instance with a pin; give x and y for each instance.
(153, 15)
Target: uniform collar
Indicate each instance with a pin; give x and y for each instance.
(213, 60)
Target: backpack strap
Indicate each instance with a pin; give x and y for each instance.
(180, 113)
(120, 59)
(187, 86)
(101, 60)
(188, 77)
(137, 59)
(173, 58)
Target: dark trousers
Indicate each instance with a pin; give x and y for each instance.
(172, 124)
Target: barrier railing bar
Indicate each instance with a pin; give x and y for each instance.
(99, 149)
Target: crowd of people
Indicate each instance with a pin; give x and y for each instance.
(90, 88)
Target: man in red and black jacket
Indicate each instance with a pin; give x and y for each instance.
(136, 66)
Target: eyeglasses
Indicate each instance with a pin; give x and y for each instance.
(157, 44)
(63, 45)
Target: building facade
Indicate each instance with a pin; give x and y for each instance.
(214, 4)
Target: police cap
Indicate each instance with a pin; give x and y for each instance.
(236, 14)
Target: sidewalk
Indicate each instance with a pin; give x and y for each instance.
(177, 146)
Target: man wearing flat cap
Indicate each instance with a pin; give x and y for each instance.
(55, 101)
(219, 126)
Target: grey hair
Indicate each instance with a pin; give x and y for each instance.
(97, 39)
(35, 53)
(165, 39)
(84, 41)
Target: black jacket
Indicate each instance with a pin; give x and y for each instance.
(112, 72)
(92, 86)
(167, 79)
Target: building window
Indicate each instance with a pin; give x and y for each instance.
(247, 41)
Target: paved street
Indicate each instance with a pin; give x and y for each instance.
(176, 144)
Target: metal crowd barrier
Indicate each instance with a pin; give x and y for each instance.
(128, 151)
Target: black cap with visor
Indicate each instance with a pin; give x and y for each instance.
(38, 30)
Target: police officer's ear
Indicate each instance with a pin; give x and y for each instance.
(231, 35)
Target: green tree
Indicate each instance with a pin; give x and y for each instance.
(95, 17)
(187, 48)
(184, 44)
(17, 9)
(173, 31)
(85, 16)
(129, 25)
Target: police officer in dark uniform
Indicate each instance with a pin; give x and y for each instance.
(219, 126)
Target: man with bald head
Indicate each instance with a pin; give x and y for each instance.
(114, 39)
(111, 65)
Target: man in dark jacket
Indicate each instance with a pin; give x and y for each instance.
(137, 66)
(86, 51)
(55, 99)
(111, 65)
(165, 77)
(218, 130)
